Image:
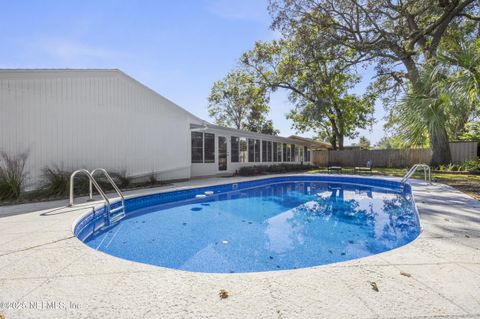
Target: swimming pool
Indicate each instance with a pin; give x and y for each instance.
(261, 225)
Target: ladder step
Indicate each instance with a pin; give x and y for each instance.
(117, 217)
(117, 209)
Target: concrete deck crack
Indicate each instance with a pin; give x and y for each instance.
(36, 246)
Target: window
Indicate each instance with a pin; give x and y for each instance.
(197, 147)
(288, 152)
(306, 154)
(292, 158)
(209, 148)
(269, 151)
(243, 150)
(257, 150)
(203, 147)
(285, 159)
(264, 151)
(279, 152)
(251, 150)
(275, 154)
(299, 154)
(234, 146)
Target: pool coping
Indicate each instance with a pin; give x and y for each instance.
(40, 260)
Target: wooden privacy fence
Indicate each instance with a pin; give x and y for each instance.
(461, 151)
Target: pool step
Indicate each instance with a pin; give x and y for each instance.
(117, 214)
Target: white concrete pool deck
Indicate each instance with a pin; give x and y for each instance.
(45, 272)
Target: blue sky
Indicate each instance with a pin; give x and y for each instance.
(178, 48)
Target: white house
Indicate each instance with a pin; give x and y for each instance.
(104, 118)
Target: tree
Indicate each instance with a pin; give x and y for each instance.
(317, 82)
(238, 102)
(384, 143)
(471, 133)
(462, 68)
(446, 99)
(262, 126)
(396, 36)
(364, 142)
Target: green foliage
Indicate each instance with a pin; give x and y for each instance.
(152, 179)
(395, 36)
(56, 182)
(277, 168)
(121, 179)
(385, 143)
(471, 132)
(391, 142)
(445, 98)
(472, 165)
(317, 83)
(238, 101)
(264, 127)
(401, 39)
(12, 175)
(364, 142)
(422, 112)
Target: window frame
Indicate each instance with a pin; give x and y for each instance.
(234, 149)
(269, 151)
(243, 154)
(258, 151)
(264, 151)
(274, 152)
(205, 159)
(192, 147)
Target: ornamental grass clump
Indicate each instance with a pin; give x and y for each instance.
(123, 181)
(56, 182)
(12, 175)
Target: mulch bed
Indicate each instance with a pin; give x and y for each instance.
(471, 188)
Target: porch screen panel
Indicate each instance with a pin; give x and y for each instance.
(209, 148)
(197, 147)
(251, 150)
(234, 146)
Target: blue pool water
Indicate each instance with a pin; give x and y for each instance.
(266, 225)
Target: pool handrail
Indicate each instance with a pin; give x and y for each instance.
(92, 180)
(110, 180)
(426, 171)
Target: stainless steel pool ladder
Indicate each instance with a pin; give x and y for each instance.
(426, 172)
(114, 214)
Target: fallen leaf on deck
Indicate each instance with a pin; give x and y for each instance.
(374, 286)
(223, 294)
(406, 274)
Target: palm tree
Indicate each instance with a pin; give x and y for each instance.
(445, 99)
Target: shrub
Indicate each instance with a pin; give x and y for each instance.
(276, 168)
(56, 182)
(152, 179)
(121, 179)
(471, 166)
(12, 175)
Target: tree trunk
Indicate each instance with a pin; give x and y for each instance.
(440, 148)
(333, 141)
(340, 142)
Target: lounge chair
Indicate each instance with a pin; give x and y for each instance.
(367, 168)
(334, 169)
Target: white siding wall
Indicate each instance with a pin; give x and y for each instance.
(89, 119)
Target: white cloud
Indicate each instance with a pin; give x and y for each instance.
(250, 10)
(68, 50)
